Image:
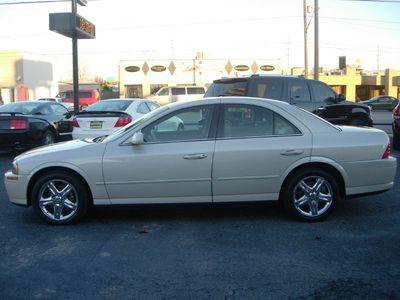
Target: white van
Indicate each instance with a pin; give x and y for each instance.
(170, 94)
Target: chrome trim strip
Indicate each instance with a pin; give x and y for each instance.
(154, 181)
(246, 178)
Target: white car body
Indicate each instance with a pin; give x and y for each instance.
(212, 169)
(168, 95)
(136, 109)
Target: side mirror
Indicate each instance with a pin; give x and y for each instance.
(341, 97)
(137, 138)
(68, 115)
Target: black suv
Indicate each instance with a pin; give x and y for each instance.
(311, 95)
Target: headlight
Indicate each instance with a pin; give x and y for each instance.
(14, 169)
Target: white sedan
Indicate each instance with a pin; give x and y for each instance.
(107, 116)
(229, 149)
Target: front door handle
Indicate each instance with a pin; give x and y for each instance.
(195, 156)
(292, 152)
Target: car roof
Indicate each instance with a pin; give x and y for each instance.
(246, 77)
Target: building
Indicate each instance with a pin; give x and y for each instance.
(140, 78)
(26, 76)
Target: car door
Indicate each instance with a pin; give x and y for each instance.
(172, 165)
(255, 146)
(61, 118)
(299, 94)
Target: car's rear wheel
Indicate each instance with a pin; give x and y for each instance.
(48, 138)
(84, 106)
(396, 139)
(310, 195)
(60, 198)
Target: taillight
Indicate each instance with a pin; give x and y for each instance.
(123, 120)
(18, 124)
(386, 154)
(75, 123)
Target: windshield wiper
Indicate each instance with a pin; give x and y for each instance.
(99, 138)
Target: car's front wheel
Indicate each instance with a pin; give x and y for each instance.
(310, 195)
(60, 197)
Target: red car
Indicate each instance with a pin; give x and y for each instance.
(396, 127)
(86, 97)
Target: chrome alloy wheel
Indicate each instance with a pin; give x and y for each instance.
(58, 199)
(312, 196)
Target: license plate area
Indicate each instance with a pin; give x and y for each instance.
(96, 124)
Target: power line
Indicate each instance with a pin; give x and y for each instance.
(37, 2)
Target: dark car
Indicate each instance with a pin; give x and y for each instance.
(396, 127)
(32, 123)
(381, 103)
(311, 95)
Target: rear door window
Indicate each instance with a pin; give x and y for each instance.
(227, 88)
(270, 88)
(195, 90)
(241, 121)
(178, 91)
(298, 91)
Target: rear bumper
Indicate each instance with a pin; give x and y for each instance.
(20, 140)
(84, 134)
(367, 177)
(16, 187)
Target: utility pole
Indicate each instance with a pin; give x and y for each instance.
(305, 39)
(378, 60)
(75, 70)
(316, 41)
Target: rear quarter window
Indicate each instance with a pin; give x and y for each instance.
(229, 88)
(270, 88)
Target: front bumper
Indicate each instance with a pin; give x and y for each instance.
(16, 187)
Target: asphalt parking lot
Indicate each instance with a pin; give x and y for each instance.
(251, 251)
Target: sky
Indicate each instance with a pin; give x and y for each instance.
(252, 29)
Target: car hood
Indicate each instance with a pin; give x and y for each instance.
(76, 152)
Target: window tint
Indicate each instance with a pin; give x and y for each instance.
(235, 88)
(142, 108)
(113, 105)
(163, 92)
(321, 92)
(188, 124)
(178, 91)
(45, 110)
(251, 121)
(195, 90)
(298, 90)
(59, 110)
(152, 105)
(270, 88)
(85, 95)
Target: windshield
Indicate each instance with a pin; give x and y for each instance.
(134, 123)
(110, 105)
(22, 107)
(235, 88)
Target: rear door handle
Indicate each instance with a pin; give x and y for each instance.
(195, 156)
(292, 152)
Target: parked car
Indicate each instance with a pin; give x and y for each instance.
(230, 149)
(311, 95)
(381, 103)
(67, 105)
(32, 123)
(86, 97)
(168, 95)
(396, 127)
(107, 116)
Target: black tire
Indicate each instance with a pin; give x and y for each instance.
(83, 106)
(358, 122)
(396, 139)
(48, 138)
(81, 200)
(291, 188)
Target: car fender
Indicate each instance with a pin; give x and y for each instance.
(60, 164)
(314, 159)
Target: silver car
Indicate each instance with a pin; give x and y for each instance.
(228, 149)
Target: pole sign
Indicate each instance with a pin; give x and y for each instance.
(63, 23)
